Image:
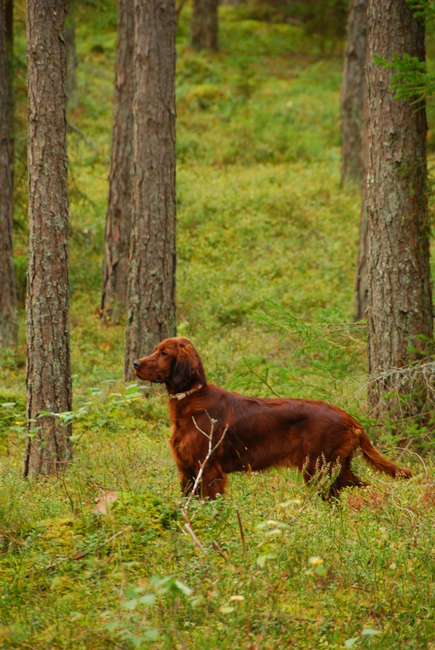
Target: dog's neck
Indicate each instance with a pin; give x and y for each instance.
(180, 396)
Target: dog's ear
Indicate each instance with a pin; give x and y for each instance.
(186, 367)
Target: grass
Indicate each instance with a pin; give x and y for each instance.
(266, 254)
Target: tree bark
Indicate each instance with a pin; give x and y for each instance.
(151, 280)
(48, 346)
(353, 93)
(8, 293)
(71, 53)
(120, 201)
(204, 25)
(400, 319)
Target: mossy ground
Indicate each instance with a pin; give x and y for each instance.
(261, 218)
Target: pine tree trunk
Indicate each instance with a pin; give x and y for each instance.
(151, 280)
(8, 293)
(71, 54)
(204, 25)
(353, 93)
(120, 202)
(400, 301)
(48, 347)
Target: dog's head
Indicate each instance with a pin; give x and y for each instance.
(175, 363)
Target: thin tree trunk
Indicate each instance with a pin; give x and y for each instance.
(120, 202)
(204, 25)
(400, 317)
(353, 93)
(48, 347)
(151, 280)
(361, 277)
(8, 293)
(71, 53)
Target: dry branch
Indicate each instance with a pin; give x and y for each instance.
(211, 449)
(242, 535)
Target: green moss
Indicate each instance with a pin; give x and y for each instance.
(262, 222)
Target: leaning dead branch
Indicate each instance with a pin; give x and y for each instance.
(242, 535)
(211, 449)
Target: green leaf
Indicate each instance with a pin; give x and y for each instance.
(261, 559)
(112, 625)
(130, 604)
(151, 635)
(320, 570)
(351, 642)
(368, 631)
(132, 390)
(148, 599)
(183, 588)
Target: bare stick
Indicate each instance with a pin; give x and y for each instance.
(242, 535)
(222, 554)
(188, 527)
(396, 505)
(211, 449)
(413, 453)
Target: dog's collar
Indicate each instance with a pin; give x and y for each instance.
(180, 396)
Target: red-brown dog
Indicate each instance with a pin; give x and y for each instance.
(261, 432)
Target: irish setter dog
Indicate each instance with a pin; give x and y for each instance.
(260, 433)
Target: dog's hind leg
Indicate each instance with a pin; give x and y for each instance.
(346, 478)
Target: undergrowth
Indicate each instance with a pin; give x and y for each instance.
(266, 255)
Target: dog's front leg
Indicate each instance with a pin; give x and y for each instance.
(187, 480)
(214, 481)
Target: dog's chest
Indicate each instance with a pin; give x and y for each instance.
(181, 445)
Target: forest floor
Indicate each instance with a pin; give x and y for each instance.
(267, 244)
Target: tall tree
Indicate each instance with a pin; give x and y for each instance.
(204, 25)
(400, 316)
(118, 217)
(353, 93)
(151, 279)
(48, 346)
(8, 293)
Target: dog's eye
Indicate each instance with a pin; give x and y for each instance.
(163, 353)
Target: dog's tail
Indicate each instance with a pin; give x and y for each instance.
(377, 460)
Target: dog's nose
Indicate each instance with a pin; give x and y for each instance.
(137, 365)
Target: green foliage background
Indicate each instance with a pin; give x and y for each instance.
(267, 245)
